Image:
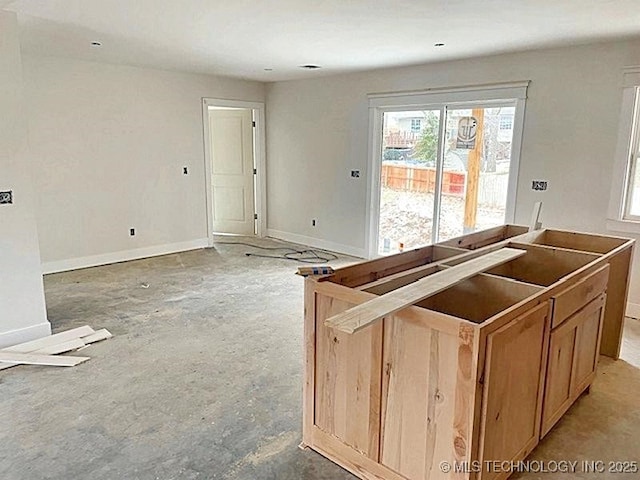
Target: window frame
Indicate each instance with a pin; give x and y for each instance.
(439, 98)
(632, 159)
(627, 156)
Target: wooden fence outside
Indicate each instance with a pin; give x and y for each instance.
(422, 179)
(492, 188)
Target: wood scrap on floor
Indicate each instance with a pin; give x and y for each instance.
(54, 339)
(34, 359)
(43, 351)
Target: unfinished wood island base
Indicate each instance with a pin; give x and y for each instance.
(479, 370)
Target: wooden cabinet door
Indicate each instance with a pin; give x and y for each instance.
(573, 356)
(558, 383)
(588, 337)
(512, 394)
(348, 375)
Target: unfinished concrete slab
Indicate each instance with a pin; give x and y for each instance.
(203, 379)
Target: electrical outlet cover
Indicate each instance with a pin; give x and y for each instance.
(6, 197)
(539, 185)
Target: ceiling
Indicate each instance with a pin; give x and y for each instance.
(242, 38)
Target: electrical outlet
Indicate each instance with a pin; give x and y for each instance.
(132, 232)
(355, 173)
(6, 197)
(185, 170)
(313, 222)
(539, 185)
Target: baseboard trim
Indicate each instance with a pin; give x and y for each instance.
(14, 337)
(633, 310)
(123, 256)
(317, 243)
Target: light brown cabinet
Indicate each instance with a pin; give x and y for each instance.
(477, 372)
(573, 356)
(513, 388)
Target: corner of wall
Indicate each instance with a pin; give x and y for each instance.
(22, 304)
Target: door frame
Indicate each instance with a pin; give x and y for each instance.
(438, 99)
(259, 152)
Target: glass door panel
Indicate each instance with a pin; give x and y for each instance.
(408, 179)
(475, 179)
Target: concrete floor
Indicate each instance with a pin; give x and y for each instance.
(203, 380)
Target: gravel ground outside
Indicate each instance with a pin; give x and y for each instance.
(407, 217)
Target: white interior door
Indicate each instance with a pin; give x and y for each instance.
(232, 174)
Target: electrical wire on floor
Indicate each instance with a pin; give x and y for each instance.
(303, 256)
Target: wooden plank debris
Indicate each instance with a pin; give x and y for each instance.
(37, 359)
(98, 336)
(68, 346)
(51, 340)
(52, 350)
(44, 348)
(363, 315)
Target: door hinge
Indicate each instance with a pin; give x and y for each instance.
(255, 216)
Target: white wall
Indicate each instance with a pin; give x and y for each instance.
(318, 131)
(22, 311)
(110, 143)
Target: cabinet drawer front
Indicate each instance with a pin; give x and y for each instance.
(577, 296)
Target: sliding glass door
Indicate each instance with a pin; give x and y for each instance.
(445, 171)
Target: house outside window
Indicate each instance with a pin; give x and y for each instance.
(416, 125)
(506, 122)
